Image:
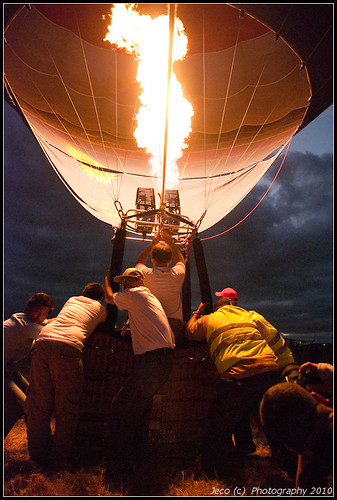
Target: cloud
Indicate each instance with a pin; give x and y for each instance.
(279, 259)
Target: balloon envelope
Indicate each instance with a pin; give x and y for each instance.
(249, 90)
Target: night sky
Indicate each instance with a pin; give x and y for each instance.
(279, 259)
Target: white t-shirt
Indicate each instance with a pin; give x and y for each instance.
(165, 283)
(149, 325)
(77, 320)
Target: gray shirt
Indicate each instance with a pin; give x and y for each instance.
(19, 337)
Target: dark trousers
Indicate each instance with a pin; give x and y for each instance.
(234, 403)
(15, 390)
(131, 409)
(56, 387)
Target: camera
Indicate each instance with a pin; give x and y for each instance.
(308, 378)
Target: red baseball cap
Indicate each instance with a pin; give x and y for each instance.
(227, 292)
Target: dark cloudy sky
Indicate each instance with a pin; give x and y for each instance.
(279, 259)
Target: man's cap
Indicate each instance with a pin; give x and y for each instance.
(130, 272)
(227, 292)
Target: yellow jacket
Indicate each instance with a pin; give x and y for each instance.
(241, 342)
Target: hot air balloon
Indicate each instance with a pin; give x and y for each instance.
(254, 74)
(250, 89)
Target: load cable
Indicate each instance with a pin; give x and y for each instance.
(258, 203)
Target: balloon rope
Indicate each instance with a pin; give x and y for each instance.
(258, 203)
(172, 11)
(229, 84)
(206, 191)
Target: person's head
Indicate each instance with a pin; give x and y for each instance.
(288, 413)
(161, 254)
(229, 293)
(131, 278)
(38, 307)
(94, 291)
(222, 301)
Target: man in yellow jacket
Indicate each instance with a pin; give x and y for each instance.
(250, 356)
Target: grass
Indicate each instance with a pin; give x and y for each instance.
(166, 475)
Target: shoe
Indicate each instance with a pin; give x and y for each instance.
(119, 472)
(247, 448)
(57, 465)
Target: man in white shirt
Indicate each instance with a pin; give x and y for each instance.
(20, 333)
(57, 377)
(153, 344)
(165, 281)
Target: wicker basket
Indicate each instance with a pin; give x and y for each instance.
(178, 412)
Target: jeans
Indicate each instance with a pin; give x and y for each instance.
(15, 389)
(131, 409)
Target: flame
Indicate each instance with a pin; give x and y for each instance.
(148, 40)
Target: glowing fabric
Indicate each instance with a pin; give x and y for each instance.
(79, 95)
